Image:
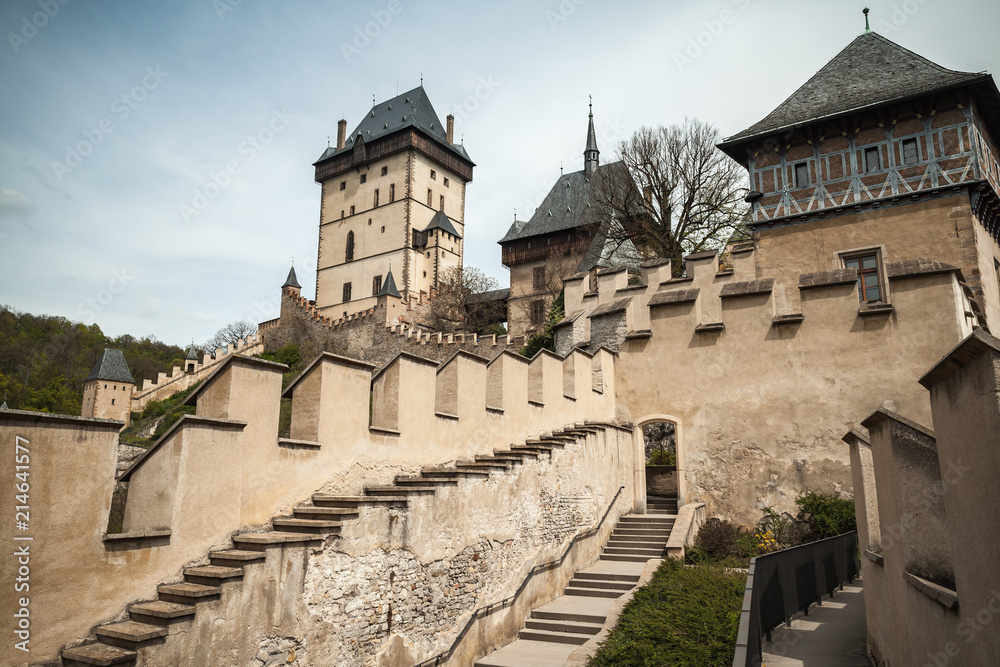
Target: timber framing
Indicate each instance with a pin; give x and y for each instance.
(408, 139)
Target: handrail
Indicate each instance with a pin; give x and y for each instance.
(490, 608)
(782, 583)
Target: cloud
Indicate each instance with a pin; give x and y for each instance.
(13, 203)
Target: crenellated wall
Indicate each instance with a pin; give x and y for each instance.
(225, 469)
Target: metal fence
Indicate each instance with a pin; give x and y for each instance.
(782, 583)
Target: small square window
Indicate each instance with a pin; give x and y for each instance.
(364, 177)
(869, 275)
(538, 278)
(343, 185)
(801, 174)
(385, 170)
(873, 160)
(446, 182)
(911, 155)
(434, 175)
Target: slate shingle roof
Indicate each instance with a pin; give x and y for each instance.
(869, 71)
(410, 109)
(389, 286)
(291, 280)
(443, 222)
(111, 366)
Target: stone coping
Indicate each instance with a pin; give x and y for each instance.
(639, 335)
(881, 308)
(676, 281)
(631, 288)
(384, 430)
(747, 288)
(612, 270)
(710, 327)
(463, 353)
(408, 356)
(883, 414)
(854, 435)
(192, 420)
(978, 342)
(446, 415)
(617, 306)
(921, 266)
(569, 319)
(791, 318)
(674, 297)
(945, 596)
(52, 418)
(192, 399)
(875, 557)
(685, 526)
(298, 444)
(828, 278)
(321, 357)
(707, 254)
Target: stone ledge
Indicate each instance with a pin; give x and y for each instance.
(710, 327)
(828, 278)
(875, 309)
(616, 306)
(875, 557)
(138, 540)
(51, 418)
(917, 267)
(540, 404)
(298, 444)
(674, 297)
(945, 596)
(707, 254)
(676, 281)
(446, 415)
(383, 430)
(748, 288)
(492, 410)
(638, 335)
(792, 318)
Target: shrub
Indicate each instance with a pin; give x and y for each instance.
(662, 457)
(717, 539)
(827, 513)
(685, 616)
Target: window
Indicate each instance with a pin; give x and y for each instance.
(352, 209)
(364, 177)
(369, 222)
(385, 170)
(392, 192)
(343, 185)
(538, 278)
(349, 254)
(537, 312)
(910, 153)
(112, 401)
(869, 278)
(430, 198)
(341, 214)
(375, 198)
(434, 175)
(873, 160)
(376, 285)
(441, 203)
(446, 182)
(347, 292)
(801, 174)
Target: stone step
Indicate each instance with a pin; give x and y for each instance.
(562, 626)
(328, 500)
(604, 576)
(635, 551)
(589, 592)
(544, 449)
(450, 473)
(130, 634)
(515, 456)
(568, 616)
(273, 538)
(554, 637)
(661, 538)
(212, 575)
(626, 558)
(488, 467)
(596, 583)
(160, 612)
(235, 557)
(330, 513)
(400, 490)
(293, 524)
(643, 518)
(509, 459)
(186, 592)
(543, 442)
(622, 544)
(102, 655)
(424, 481)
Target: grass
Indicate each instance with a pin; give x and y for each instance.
(171, 409)
(686, 616)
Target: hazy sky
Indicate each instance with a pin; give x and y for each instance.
(118, 120)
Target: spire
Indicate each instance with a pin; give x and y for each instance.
(291, 280)
(389, 286)
(868, 28)
(590, 154)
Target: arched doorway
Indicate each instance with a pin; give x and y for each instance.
(659, 439)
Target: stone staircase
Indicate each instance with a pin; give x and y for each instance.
(555, 630)
(661, 505)
(151, 622)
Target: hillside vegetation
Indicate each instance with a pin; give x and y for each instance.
(44, 360)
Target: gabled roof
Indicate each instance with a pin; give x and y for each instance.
(442, 222)
(389, 286)
(411, 109)
(111, 366)
(291, 280)
(870, 71)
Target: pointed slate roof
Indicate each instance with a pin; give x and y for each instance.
(870, 71)
(291, 280)
(192, 354)
(410, 109)
(111, 366)
(442, 222)
(591, 136)
(389, 286)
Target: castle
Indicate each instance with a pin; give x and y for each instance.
(421, 505)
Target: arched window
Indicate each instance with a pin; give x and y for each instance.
(350, 247)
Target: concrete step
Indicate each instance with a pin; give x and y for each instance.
(635, 551)
(573, 617)
(273, 538)
(642, 518)
(452, 473)
(660, 538)
(424, 481)
(562, 626)
(130, 634)
(487, 467)
(187, 593)
(507, 459)
(212, 575)
(597, 583)
(328, 500)
(329, 513)
(650, 534)
(543, 442)
(555, 637)
(623, 544)
(235, 557)
(160, 612)
(102, 655)
(626, 558)
(504, 453)
(543, 449)
(589, 592)
(400, 490)
(522, 653)
(601, 576)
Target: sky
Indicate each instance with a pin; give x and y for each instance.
(156, 157)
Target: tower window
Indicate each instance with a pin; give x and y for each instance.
(869, 275)
(375, 198)
(343, 185)
(430, 197)
(341, 214)
(112, 401)
(537, 312)
(352, 209)
(392, 192)
(441, 203)
(801, 174)
(446, 182)
(364, 177)
(538, 278)
(347, 292)
(376, 285)
(349, 253)
(434, 175)
(910, 153)
(385, 170)
(873, 160)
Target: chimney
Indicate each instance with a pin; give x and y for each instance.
(451, 128)
(341, 133)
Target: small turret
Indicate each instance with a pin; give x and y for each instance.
(590, 154)
(291, 282)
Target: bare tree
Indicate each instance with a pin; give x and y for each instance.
(674, 193)
(456, 288)
(231, 333)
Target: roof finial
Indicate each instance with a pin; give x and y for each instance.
(867, 27)
(373, 100)
(560, 168)
(591, 105)
(421, 78)
(328, 141)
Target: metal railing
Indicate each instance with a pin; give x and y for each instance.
(783, 583)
